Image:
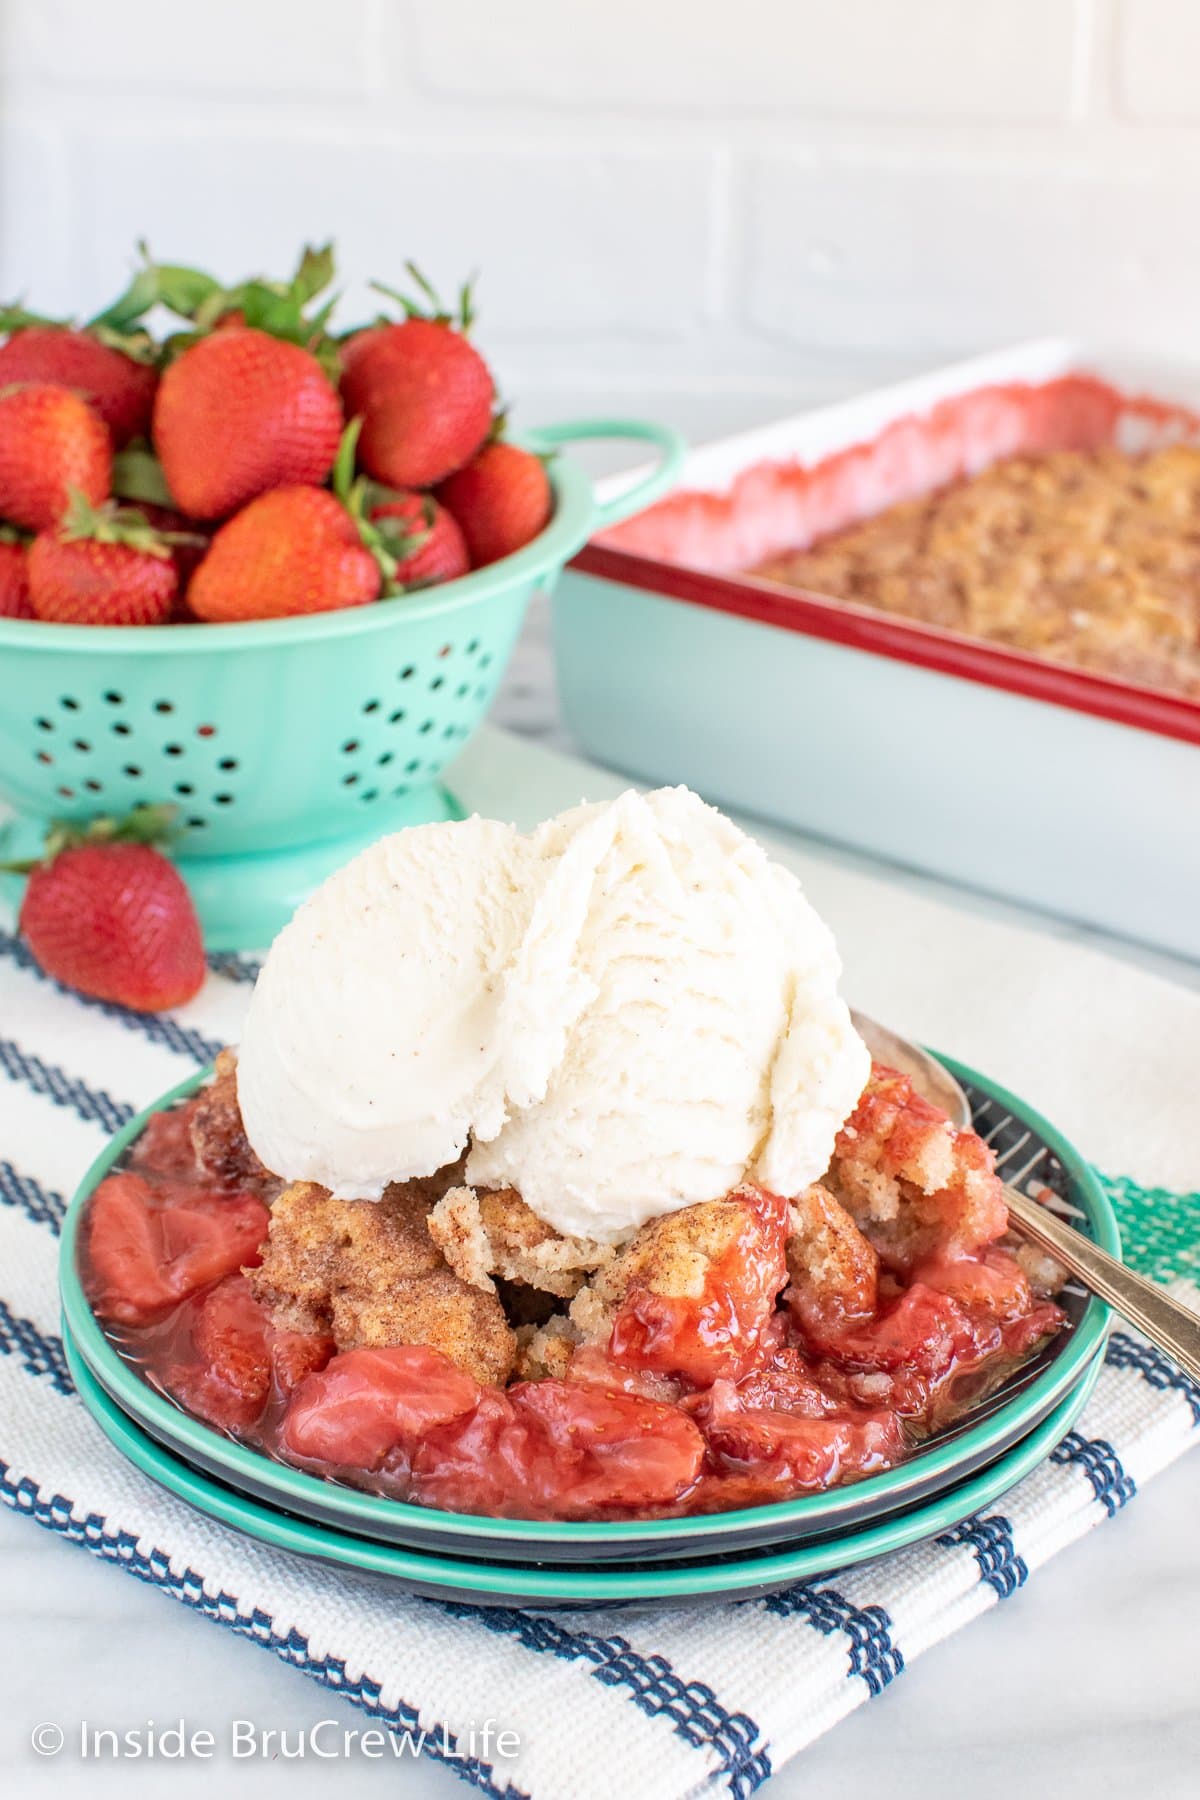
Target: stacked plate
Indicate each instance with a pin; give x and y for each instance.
(524, 1562)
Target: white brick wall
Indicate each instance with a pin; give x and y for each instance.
(711, 208)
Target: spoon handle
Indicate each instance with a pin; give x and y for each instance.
(1172, 1328)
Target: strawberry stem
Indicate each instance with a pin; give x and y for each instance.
(152, 825)
(137, 475)
(343, 462)
(14, 317)
(462, 320)
(109, 524)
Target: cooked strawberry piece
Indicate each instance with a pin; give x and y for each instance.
(923, 1330)
(239, 1356)
(601, 1450)
(992, 1283)
(231, 1382)
(165, 1146)
(474, 1463)
(366, 1403)
(1042, 1321)
(789, 1451)
(150, 1247)
(725, 1327)
(787, 1382)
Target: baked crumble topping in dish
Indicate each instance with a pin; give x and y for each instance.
(444, 1345)
(1090, 557)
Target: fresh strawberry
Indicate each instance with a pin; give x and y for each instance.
(106, 913)
(501, 500)
(241, 412)
(425, 541)
(115, 384)
(102, 566)
(294, 550)
(50, 442)
(423, 393)
(14, 578)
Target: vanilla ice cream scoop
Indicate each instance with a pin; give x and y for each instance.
(629, 1011)
(683, 995)
(371, 1046)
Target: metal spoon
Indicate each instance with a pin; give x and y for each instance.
(1172, 1328)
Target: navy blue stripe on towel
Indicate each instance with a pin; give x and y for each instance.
(159, 1028)
(40, 1204)
(873, 1655)
(1112, 1487)
(39, 1354)
(652, 1684)
(991, 1539)
(93, 1105)
(1125, 1352)
(154, 1567)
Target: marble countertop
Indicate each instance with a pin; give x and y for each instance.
(1083, 1682)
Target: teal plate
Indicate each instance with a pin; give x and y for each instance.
(507, 1584)
(1020, 1138)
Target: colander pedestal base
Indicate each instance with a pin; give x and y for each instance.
(244, 900)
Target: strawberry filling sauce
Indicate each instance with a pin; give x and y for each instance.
(743, 1393)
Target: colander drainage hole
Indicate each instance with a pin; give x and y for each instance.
(66, 793)
(132, 770)
(394, 718)
(387, 757)
(94, 787)
(410, 768)
(350, 746)
(426, 727)
(370, 706)
(81, 744)
(349, 780)
(44, 724)
(398, 793)
(114, 699)
(439, 681)
(122, 729)
(69, 704)
(195, 823)
(228, 762)
(407, 673)
(473, 646)
(223, 799)
(184, 787)
(172, 749)
(369, 794)
(44, 756)
(164, 706)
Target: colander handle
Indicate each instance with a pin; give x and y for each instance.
(672, 448)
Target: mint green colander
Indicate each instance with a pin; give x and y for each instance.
(285, 744)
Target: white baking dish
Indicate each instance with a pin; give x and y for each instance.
(1055, 786)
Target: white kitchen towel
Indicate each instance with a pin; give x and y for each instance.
(641, 1700)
